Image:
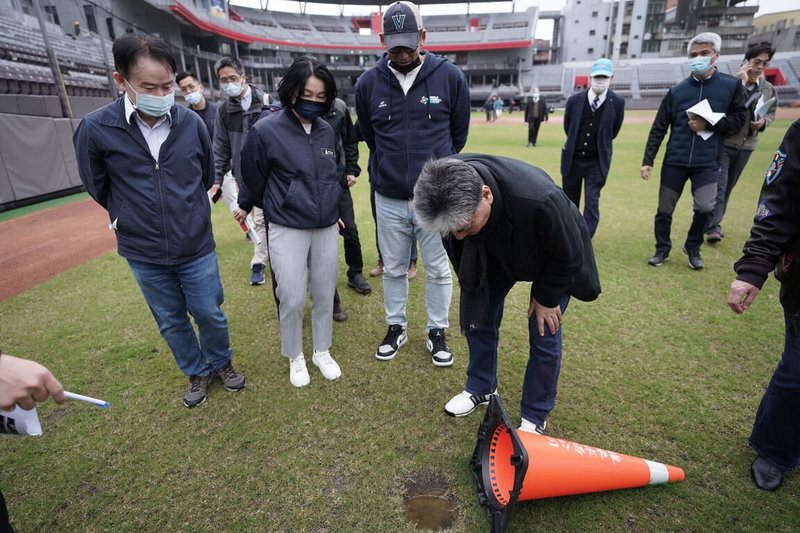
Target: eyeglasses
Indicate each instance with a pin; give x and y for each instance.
(230, 79)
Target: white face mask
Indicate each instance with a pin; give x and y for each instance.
(193, 98)
(535, 97)
(600, 85)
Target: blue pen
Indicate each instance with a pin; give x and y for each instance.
(81, 397)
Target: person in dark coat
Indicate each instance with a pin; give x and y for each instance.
(193, 93)
(592, 119)
(502, 222)
(774, 245)
(535, 112)
(148, 162)
(694, 145)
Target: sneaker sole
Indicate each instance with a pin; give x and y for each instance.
(234, 389)
(257, 282)
(195, 405)
(365, 292)
(401, 341)
(429, 345)
(459, 415)
(658, 264)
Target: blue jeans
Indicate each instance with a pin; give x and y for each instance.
(704, 192)
(776, 431)
(175, 292)
(396, 232)
(544, 361)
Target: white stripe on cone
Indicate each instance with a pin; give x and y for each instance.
(658, 472)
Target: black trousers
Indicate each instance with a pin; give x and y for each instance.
(352, 244)
(533, 129)
(5, 526)
(585, 172)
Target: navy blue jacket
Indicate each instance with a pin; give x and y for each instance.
(686, 148)
(610, 123)
(209, 116)
(292, 175)
(160, 208)
(403, 131)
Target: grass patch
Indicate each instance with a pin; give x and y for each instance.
(657, 367)
(14, 213)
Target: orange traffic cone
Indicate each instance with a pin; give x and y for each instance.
(509, 466)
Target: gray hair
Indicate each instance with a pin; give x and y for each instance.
(705, 38)
(446, 196)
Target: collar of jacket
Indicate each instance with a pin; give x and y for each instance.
(694, 81)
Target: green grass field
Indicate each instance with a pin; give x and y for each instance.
(658, 367)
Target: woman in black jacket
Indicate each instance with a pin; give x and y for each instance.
(289, 167)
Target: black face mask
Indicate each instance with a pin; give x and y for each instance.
(405, 69)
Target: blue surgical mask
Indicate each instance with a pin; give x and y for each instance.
(150, 105)
(700, 64)
(193, 98)
(308, 109)
(233, 89)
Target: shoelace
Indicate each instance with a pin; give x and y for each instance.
(196, 383)
(227, 372)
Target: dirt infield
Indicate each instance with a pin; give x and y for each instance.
(38, 246)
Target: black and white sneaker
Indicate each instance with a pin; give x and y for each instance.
(464, 403)
(440, 353)
(395, 338)
(530, 427)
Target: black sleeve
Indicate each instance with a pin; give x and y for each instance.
(777, 222)
(658, 130)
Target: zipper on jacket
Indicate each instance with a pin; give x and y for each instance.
(315, 177)
(694, 137)
(160, 186)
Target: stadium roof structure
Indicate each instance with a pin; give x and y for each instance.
(387, 2)
(232, 29)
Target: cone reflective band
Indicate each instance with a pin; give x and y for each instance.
(511, 466)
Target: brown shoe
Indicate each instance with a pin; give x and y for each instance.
(377, 271)
(412, 271)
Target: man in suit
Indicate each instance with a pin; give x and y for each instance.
(535, 112)
(592, 119)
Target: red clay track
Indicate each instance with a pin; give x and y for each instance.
(40, 245)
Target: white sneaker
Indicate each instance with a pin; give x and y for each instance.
(464, 403)
(326, 365)
(298, 373)
(530, 427)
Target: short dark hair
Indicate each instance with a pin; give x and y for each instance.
(294, 81)
(232, 62)
(446, 195)
(131, 46)
(183, 75)
(756, 49)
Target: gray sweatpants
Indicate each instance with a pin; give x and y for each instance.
(301, 257)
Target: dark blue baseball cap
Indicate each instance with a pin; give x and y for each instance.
(402, 26)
